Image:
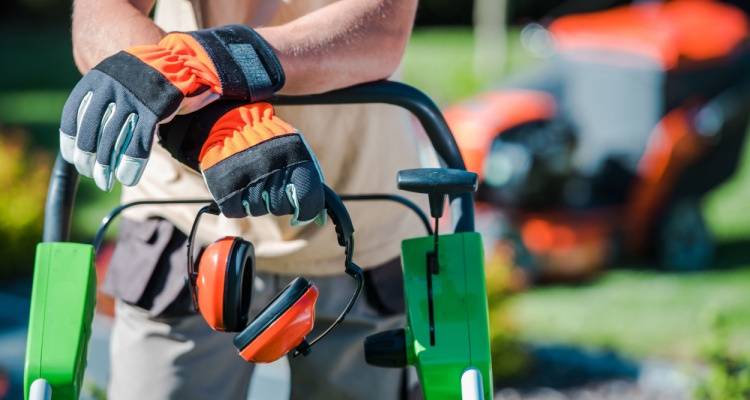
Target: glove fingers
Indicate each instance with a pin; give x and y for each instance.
(308, 189)
(93, 116)
(76, 103)
(278, 202)
(135, 148)
(253, 202)
(116, 132)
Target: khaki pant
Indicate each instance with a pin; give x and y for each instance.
(182, 358)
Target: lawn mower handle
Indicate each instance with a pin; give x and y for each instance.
(64, 178)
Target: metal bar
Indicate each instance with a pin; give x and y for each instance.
(64, 178)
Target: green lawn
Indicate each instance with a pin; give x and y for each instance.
(650, 313)
(644, 314)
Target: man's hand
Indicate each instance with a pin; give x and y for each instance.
(109, 120)
(253, 162)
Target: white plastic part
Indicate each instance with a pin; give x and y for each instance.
(271, 381)
(40, 390)
(471, 385)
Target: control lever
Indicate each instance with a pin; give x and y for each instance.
(436, 183)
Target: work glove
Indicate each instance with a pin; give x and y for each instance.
(253, 162)
(110, 118)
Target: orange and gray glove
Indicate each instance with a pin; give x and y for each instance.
(110, 117)
(253, 162)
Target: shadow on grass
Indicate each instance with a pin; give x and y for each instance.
(729, 255)
(732, 254)
(564, 366)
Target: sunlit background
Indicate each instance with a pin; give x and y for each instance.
(571, 318)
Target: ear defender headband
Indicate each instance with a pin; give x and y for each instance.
(221, 289)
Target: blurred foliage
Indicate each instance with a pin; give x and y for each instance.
(94, 391)
(728, 376)
(509, 357)
(42, 58)
(440, 62)
(445, 12)
(534, 10)
(40, 10)
(23, 176)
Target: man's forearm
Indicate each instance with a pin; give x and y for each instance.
(345, 43)
(104, 27)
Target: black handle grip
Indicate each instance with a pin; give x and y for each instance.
(442, 181)
(61, 196)
(339, 216)
(64, 179)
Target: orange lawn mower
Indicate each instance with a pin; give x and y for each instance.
(608, 150)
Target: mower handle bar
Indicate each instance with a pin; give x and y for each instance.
(64, 178)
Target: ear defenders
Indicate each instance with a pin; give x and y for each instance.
(222, 284)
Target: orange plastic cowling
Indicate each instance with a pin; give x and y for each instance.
(476, 123)
(695, 30)
(673, 146)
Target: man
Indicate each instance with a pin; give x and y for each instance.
(160, 348)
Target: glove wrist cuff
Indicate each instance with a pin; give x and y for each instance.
(239, 129)
(183, 61)
(246, 64)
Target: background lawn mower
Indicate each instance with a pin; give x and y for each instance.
(607, 151)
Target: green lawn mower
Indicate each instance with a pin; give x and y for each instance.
(447, 332)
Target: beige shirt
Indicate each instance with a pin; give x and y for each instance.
(360, 149)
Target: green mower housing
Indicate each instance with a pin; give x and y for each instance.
(62, 309)
(461, 323)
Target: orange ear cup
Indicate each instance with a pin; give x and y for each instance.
(285, 333)
(212, 268)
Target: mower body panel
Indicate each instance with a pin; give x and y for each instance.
(461, 322)
(62, 309)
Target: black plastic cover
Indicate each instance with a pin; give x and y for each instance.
(386, 349)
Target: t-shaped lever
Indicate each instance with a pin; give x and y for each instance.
(437, 183)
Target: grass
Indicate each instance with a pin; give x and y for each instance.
(642, 314)
(647, 313)
(650, 313)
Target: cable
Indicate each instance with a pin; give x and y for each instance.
(395, 198)
(192, 274)
(107, 220)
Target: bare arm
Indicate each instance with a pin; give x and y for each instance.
(345, 43)
(104, 27)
